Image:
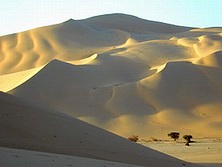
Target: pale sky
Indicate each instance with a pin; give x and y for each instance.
(21, 15)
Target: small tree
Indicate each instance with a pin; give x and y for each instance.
(188, 139)
(174, 135)
(133, 138)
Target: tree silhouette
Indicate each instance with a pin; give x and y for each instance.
(188, 139)
(174, 135)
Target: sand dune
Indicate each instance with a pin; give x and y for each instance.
(147, 101)
(82, 86)
(72, 40)
(208, 44)
(211, 60)
(28, 127)
(141, 76)
(195, 86)
(121, 73)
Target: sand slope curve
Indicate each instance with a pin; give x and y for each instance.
(26, 126)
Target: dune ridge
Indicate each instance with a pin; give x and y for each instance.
(130, 23)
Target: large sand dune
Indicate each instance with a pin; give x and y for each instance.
(121, 73)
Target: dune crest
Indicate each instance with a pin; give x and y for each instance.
(208, 44)
(11, 81)
(88, 60)
(130, 23)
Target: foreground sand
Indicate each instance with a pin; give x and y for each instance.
(23, 158)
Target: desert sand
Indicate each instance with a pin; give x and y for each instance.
(22, 158)
(203, 151)
(118, 72)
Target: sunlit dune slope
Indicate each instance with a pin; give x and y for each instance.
(186, 95)
(26, 126)
(212, 60)
(62, 86)
(121, 73)
(74, 40)
(71, 40)
(11, 81)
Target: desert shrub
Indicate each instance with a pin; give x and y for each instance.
(174, 135)
(133, 138)
(188, 139)
(154, 139)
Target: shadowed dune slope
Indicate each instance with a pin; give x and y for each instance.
(28, 127)
(27, 158)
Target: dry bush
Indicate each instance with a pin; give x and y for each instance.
(133, 138)
(154, 139)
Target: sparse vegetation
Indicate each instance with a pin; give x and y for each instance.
(133, 138)
(154, 139)
(174, 135)
(188, 139)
